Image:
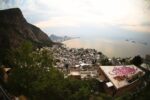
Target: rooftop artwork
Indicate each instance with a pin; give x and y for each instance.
(122, 76)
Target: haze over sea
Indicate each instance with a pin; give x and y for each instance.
(118, 45)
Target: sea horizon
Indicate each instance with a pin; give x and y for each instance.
(112, 47)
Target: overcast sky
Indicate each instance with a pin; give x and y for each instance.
(65, 16)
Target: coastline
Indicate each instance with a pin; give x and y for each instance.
(111, 48)
(70, 39)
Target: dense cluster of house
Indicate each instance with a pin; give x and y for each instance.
(73, 56)
(81, 63)
(84, 64)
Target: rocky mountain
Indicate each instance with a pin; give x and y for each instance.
(14, 30)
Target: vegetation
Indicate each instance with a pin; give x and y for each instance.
(137, 61)
(35, 77)
(4, 46)
(32, 71)
(105, 61)
(145, 94)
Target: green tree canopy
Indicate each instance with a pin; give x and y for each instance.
(34, 76)
(137, 60)
(32, 71)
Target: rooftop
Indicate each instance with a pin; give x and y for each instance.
(118, 75)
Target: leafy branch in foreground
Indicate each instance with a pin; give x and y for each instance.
(32, 71)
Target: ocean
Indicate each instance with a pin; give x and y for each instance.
(113, 47)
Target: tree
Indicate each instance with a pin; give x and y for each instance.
(34, 76)
(105, 61)
(78, 89)
(137, 60)
(32, 73)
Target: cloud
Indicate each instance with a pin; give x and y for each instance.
(128, 14)
(58, 22)
(5, 4)
(138, 28)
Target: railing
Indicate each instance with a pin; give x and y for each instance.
(5, 96)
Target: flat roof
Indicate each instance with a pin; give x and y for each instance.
(75, 73)
(118, 84)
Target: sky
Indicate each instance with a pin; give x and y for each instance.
(85, 17)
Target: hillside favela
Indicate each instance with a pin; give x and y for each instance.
(74, 49)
